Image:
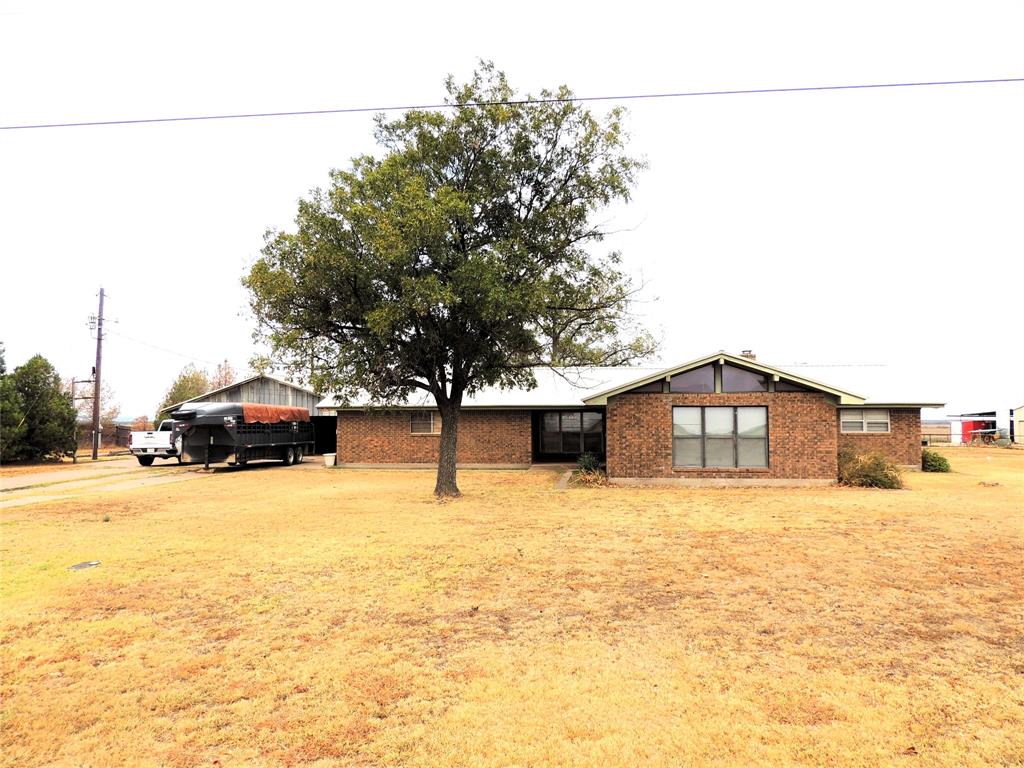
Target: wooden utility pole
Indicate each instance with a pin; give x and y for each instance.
(74, 404)
(96, 428)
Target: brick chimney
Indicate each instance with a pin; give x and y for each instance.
(749, 354)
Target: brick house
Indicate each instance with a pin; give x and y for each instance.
(721, 419)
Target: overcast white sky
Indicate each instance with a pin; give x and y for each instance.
(881, 227)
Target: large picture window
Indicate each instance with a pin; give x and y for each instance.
(864, 420)
(720, 436)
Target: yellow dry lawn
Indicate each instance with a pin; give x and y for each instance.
(345, 618)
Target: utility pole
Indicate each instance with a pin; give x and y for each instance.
(74, 404)
(96, 428)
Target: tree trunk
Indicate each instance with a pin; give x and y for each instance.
(446, 485)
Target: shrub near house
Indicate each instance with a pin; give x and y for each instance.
(933, 461)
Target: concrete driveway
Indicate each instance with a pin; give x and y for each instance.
(20, 485)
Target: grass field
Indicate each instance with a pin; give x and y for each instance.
(343, 618)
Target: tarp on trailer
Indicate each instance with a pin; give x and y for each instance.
(272, 414)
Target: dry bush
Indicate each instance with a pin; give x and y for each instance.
(933, 461)
(588, 478)
(868, 470)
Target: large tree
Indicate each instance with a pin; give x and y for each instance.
(46, 426)
(459, 259)
(12, 414)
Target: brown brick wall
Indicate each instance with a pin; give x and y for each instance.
(485, 437)
(902, 444)
(802, 435)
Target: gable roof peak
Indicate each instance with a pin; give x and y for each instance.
(749, 362)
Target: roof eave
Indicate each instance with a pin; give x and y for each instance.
(232, 385)
(890, 404)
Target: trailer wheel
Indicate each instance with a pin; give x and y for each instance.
(298, 454)
(288, 456)
(146, 461)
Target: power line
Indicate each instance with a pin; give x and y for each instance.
(514, 102)
(833, 365)
(162, 349)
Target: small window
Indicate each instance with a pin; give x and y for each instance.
(653, 387)
(698, 380)
(864, 420)
(741, 380)
(788, 386)
(425, 423)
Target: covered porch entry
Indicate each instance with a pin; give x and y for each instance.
(562, 435)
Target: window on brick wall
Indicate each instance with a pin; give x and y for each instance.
(863, 420)
(571, 432)
(425, 423)
(727, 437)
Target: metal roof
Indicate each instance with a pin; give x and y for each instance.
(232, 385)
(556, 388)
(592, 386)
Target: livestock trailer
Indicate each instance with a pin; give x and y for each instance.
(241, 432)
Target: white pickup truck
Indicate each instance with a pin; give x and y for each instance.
(160, 443)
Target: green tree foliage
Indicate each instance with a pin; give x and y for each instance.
(190, 383)
(458, 260)
(12, 415)
(37, 418)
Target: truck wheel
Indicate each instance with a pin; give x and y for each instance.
(288, 456)
(146, 461)
(298, 455)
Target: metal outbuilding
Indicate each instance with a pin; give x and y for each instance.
(271, 391)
